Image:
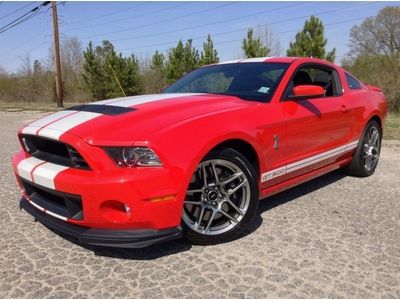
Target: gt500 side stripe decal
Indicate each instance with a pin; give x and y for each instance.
(307, 161)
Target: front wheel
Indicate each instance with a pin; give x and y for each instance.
(222, 198)
(366, 157)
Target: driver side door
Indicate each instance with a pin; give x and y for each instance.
(317, 129)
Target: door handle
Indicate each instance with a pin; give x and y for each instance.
(344, 108)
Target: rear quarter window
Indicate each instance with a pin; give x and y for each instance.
(352, 83)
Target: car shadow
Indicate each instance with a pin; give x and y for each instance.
(178, 246)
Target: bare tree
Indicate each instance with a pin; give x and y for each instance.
(269, 39)
(379, 35)
(71, 69)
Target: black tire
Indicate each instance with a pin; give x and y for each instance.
(227, 155)
(358, 166)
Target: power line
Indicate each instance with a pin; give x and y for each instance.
(266, 24)
(212, 23)
(131, 16)
(17, 10)
(239, 40)
(164, 21)
(30, 14)
(109, 14)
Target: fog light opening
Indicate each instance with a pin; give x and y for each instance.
(115, 211)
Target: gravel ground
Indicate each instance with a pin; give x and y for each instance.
(335, 236)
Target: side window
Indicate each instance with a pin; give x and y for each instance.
(353, 83)
(322, 76)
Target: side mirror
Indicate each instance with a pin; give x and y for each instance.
(307, 91)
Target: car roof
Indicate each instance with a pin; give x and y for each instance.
(277, 59)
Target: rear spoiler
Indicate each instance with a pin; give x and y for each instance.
(374, 88)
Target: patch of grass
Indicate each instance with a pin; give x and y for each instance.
(392, 127)
(34, 106)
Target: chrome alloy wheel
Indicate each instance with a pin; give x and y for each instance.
(217, 198)
(371, 148)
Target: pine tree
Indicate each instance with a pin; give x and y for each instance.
(181, 60)
(209, 55)
(108, 74)
(310, 41)
(157, 61)
(93, 73)
(175, 68)
(191, 57)
(253, 47)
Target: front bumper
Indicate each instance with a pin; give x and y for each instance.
(151, 194)
(137, 238)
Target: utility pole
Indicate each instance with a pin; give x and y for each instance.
(59, 90)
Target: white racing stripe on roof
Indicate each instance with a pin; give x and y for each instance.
(132, 101)
(255, 59)
(35, 125)
(26, 166)
(233, 61)
(58, 128)
(44, 174)
(246, 60)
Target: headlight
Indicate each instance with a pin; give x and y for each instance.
(133, 156)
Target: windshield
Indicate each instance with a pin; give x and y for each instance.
(248, 81)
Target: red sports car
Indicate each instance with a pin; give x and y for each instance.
(196, 159)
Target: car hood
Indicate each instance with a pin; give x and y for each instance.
(122, 121)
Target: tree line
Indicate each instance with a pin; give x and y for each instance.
(99, 71)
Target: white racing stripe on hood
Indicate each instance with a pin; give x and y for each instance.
(58, 128)
(34, 126)
(137, 100)
(55, 125)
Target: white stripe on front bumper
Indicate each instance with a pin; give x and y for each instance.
(46, 211)
(44, 174)
(26, 166)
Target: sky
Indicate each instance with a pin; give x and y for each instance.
(143, 27)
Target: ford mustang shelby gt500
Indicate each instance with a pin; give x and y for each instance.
(196, 159)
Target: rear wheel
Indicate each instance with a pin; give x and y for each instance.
(366, 157)
(222, 198)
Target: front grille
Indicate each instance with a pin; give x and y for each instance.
(54, 151)
(63, 204)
